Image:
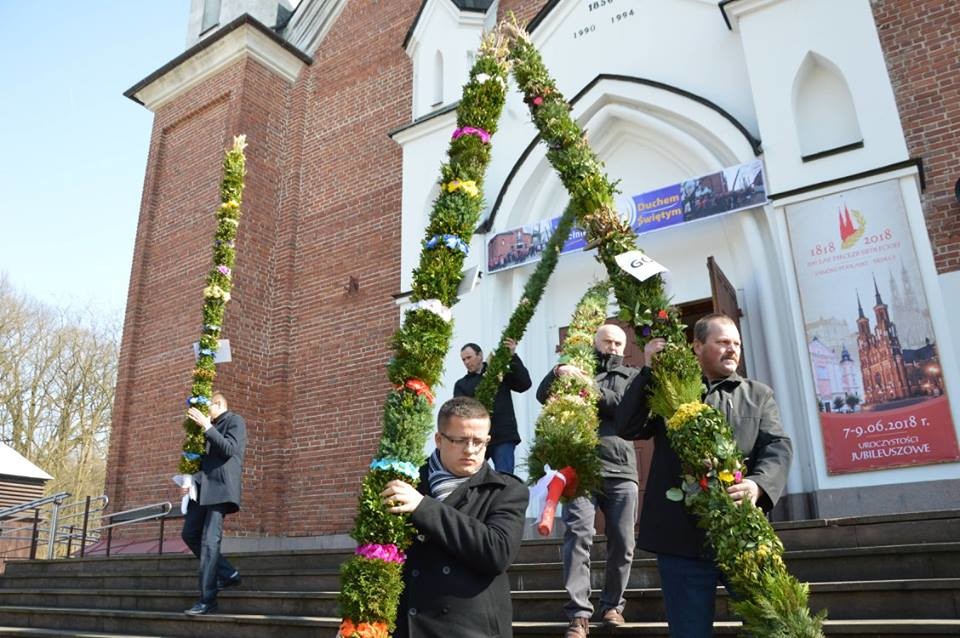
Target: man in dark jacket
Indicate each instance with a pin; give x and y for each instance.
(470, 521)
(688, 574)
(219, 494)
(617, 499)
(504, 436)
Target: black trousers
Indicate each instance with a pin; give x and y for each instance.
(203, 532)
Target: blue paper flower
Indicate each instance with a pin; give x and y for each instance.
(191, 456)
(450, 241)
(394, 465)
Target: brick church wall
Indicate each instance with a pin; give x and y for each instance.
(921, 42)
(322, 210)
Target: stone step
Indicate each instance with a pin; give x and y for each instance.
(154, 564)
(910, 628)
(172, 624)
(34, 632)
(923, 598)
(929, 598)
(855, 532)
(214, 627)
(937, 560)
(267, 580)
(274, 603)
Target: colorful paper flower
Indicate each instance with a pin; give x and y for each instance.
(389, 552)
(663, 315)
(223, 270)
(216, 292)
(472, 130)
(450, 241)
(435, 306)
(393, 465)
(686, 412)
(468, 186)
(421, 388)
(537, 101)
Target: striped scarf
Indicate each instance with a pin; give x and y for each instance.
(442, 482)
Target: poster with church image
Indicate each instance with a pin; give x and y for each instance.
(874, 355)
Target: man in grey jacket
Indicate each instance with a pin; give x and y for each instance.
(221, 472)
(688, 575)
(617, 499)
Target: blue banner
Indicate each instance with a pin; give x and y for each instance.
(726, 191)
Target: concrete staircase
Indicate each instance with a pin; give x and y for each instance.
(879, 577)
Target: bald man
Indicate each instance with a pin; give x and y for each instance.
(617, 500)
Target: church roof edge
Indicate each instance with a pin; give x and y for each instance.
(245, 19)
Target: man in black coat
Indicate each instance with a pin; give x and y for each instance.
(617, 499)
(470, 521)
(688, 575)
(504, 435)
(220, 477)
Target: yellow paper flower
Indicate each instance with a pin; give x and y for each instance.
(726, 476)
(686, 412)
(216, 292)
(467, 186)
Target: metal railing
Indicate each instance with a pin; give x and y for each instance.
(60, 526)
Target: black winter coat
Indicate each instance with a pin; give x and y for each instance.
(503, 421)
(455, 574)
(222, 465)
(665, 525)
(617, 456)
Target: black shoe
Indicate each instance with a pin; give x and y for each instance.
(201, 609)
(226, 583)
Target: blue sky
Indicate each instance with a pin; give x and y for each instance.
(73, 149)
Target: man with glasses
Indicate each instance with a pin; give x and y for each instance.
(219, 494)
(470, 521)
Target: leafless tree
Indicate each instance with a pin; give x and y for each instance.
(58, 369)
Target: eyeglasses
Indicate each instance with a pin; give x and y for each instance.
(466, 441)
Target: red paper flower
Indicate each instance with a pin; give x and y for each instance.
(663, 315)
(421, 388)
(704, 485)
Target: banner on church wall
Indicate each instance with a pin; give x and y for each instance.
(726, 191)
(874, 355)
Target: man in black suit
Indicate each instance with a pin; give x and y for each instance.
(504, 434)
(219, 494)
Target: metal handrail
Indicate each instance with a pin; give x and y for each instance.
(40, 502)
(59, 529)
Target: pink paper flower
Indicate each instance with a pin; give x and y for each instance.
(472, 130)
(224, 270)
(389, 553)
(737, 476)
(537, 101)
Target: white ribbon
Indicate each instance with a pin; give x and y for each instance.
(189, 481)
(434, 306)
(538, 493)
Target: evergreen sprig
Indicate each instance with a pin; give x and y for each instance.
(499, 362)
(216, 294)
(567, 430)
(744, 542)
(370, 588)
